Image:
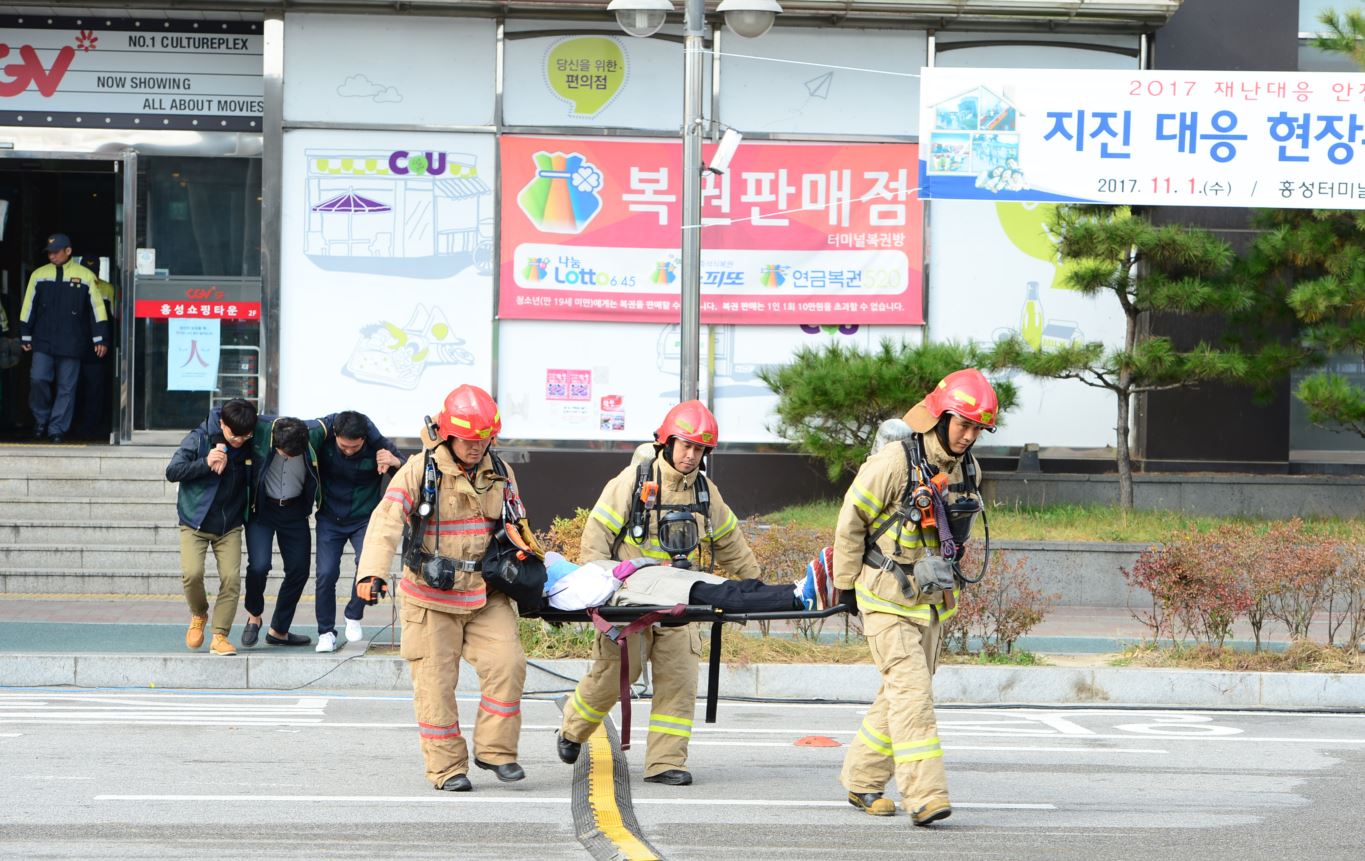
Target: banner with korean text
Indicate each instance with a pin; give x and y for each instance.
(791, 233)
(1152, 138)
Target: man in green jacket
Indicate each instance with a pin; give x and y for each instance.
(213, 468)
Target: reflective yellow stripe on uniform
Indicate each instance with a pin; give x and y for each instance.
(725, 528)
(867, 501)
(605, 515)
(868, 601)
(944, 614)
(923, 612)
(913, 751)
(670, 725)
(588, 713)
(875, 740)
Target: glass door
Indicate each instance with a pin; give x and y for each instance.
(196, 271)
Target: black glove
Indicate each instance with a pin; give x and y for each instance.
(849, 599)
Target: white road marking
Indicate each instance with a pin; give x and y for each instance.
(522, 799)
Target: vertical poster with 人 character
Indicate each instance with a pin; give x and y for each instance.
(192, 355)
(790, 233)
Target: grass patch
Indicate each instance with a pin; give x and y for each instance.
(993, 659)
(1082, 523)
(1302, 656)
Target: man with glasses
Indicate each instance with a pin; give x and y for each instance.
(212, 467)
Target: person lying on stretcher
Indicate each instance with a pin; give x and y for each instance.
(570, 586)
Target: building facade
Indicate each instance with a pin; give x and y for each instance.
(325, 211)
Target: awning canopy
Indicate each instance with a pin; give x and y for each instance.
(1121, 15)
(459, 189)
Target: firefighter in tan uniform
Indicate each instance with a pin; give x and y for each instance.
(679, 508)
(877, 544)
(454, 493)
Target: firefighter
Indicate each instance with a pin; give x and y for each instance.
(661, 508)
(446, 499)
(877, 544)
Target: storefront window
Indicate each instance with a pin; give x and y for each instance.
(202, 215)
(198, 287)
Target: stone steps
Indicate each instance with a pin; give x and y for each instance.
(106, 510)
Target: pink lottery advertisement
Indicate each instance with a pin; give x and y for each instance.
(791, 232)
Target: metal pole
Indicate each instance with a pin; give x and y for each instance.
(694, 28)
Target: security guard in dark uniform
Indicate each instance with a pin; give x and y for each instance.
(61, 320)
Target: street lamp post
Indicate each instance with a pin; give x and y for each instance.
(748, 18)
(689, 373)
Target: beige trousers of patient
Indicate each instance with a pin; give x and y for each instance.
(899, 734)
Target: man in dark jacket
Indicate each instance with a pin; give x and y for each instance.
(352, 463)
(285, 488)
(61, 321)
(213, 468)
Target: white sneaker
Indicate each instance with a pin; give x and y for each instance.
(327, 642)
(354, 630)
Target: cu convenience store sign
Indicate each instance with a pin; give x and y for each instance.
(1154, 138)
(131, 73)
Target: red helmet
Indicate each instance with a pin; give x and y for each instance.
(966, 393)
(690, 420)
(469, 413)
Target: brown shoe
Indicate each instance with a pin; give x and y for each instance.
(221, 646)
(194, 637)
(927, 814)
(872, 803)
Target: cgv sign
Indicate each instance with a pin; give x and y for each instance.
(123, 73)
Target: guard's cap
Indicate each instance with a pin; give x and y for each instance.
(57, 241)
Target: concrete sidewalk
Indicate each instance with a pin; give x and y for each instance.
(115, 641)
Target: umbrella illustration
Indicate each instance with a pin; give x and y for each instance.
(349, 204)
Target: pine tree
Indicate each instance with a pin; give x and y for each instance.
(1319, 255)
(1317, 258)
(831, 399)
(1147, 268)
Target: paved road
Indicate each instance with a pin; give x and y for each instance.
(121, 774)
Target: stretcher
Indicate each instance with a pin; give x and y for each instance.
(621, 618)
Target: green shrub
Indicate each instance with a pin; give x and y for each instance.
(832, 398)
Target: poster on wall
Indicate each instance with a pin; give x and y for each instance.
(128, 73)
(386, 266)
(997, 274)
(565, 73)
(192, 355)
(791, 233)
(598, 382)
(1154, 138)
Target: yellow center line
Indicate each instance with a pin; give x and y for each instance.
(602, 800)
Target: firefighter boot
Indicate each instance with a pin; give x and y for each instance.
(458, 783)
(672, 777)
(568, 750)
(872, 803)
(931, 812)
(508, 772)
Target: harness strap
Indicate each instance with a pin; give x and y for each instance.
(620, 635)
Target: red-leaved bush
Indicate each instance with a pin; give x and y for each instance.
(1201, 583)
(1000, 609)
